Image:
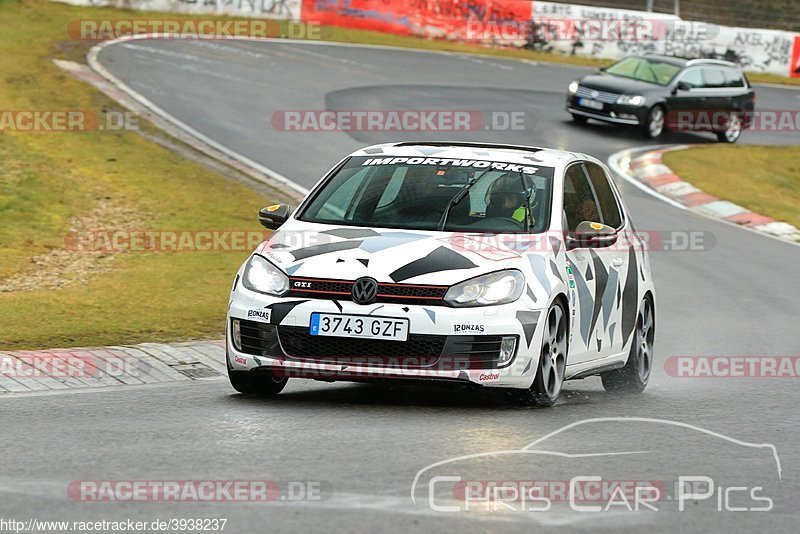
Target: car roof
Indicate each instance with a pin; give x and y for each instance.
(675, 60)
(688, 62)
(521, 154)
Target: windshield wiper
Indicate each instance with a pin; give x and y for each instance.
(456, 199)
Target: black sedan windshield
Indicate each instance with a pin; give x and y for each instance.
(435, 194)
(645, 70)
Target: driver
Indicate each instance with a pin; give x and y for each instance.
(506, 198)
(417, 198)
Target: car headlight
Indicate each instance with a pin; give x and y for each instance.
(261, 276)
(573, 88)
(487, 290)
(632, 100)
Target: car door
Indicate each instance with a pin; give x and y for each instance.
(718, 97)
(686, 101)
(611, 268)
(742, 95)
(580, 204)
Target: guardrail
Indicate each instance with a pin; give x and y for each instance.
(549, 26)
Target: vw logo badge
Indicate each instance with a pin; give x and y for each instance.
(365, 290)
(595, 94)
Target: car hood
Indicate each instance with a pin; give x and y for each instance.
(617, 84)
(312, 250)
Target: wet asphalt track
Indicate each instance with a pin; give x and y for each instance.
(366, 443)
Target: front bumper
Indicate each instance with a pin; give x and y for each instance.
(276, 337)
(614, 113)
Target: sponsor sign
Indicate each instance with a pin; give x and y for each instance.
(451, 19)
(259, 315)
(468, 328)
(794, 71)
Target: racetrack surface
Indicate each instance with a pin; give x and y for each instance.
(366, 443)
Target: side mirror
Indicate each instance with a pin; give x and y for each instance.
(602, 69)
(682, 86)
(591, 235)
(274, 216)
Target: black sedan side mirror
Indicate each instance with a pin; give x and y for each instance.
(591, 235)
(274, 216)
(682, 86)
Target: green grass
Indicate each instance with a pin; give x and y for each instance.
(49, 179)
(764, 179)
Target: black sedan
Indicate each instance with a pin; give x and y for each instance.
(658, 93)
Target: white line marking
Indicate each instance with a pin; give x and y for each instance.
(619, 163)
(92, 58)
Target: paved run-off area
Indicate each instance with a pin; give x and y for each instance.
(146, 363)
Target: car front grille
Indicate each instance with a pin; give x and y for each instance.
(423, 349)
(341, 290)
(601, 96)
(259, 339)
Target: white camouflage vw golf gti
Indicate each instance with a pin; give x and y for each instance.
(492, 265)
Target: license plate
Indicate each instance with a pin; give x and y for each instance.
(364, 326)
(589, 103)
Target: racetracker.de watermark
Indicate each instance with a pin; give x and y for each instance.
(161, 491)
(399, 120)
(613, 29)
(198, 28)
(733, 366)
(66, 364)
(118, 240)
(489, 246)
(762, 120)
(60, 120)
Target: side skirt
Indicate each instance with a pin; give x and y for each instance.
(590, 368)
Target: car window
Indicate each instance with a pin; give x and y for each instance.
(713, 78)
(609, 208)
(644, 69)
(693, 78)
(664, 72)
(338, 204)
(579, 202)
(416, 193)
(734, 79)
(392, 188)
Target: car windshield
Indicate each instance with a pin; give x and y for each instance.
(435, 194)
(645, 70)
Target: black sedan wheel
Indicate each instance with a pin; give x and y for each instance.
(733, 129)
(579, 119)
(653, 126)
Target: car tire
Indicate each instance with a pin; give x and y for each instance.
(634, 376)
(733, 129)
(579, 119)
(256, 383)
(655, 123)
(549, 379)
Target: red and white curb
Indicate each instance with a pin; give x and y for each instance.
(29, 371)
(649, 169)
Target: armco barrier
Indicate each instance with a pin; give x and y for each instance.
(556, 27)
(462, 20)
(772, 51)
